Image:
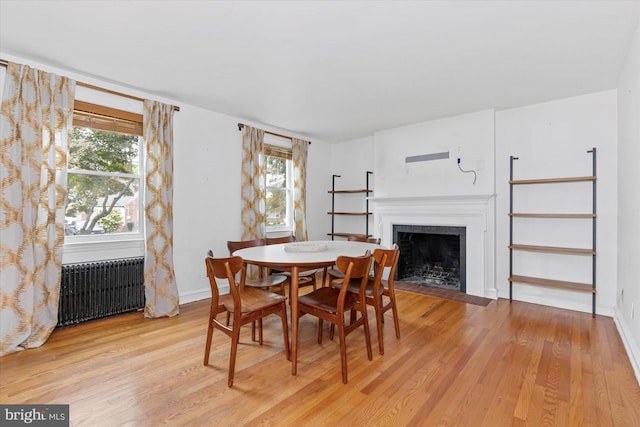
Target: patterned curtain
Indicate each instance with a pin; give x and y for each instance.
(299, 149)
(35, 124)
(254, 221)
(161, 291)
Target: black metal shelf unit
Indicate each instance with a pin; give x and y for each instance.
(366, 191)
(557, 284)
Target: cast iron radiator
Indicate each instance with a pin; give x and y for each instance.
(100, 289)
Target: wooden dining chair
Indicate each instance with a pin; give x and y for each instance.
(305, 278)
(332, 274)
(264, 280)
(379, 292)
(331, 304)
(246, 305)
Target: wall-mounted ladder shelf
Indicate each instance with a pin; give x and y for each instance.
(557, 284)
(366, 214)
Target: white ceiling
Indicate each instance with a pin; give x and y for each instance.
(330, 70)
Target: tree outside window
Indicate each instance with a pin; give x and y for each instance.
(103, 181)
(278, 192)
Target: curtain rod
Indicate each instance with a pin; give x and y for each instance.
(241, 125)
(4, 63)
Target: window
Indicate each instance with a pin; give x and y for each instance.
(104, 172)
(279, 188)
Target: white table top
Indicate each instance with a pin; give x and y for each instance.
(276, 255)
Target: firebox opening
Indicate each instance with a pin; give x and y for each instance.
(433, 256)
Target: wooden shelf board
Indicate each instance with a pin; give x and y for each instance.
(350, 213)
(552, 215)
(557, 284)
(349, 191)
(348, 234)
(553, 249)
(552, 180)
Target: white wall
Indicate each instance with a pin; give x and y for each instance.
(628, 313)
(469, 137)
(206, 209)
(551, 140)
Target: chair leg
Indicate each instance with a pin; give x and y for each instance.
(253, 330)
(379, 324)
(367, 334)
(207, 348)
(343, 351)
(235, 337)
(285, 329)
(396, 322)
(260, 331)
(320, 331)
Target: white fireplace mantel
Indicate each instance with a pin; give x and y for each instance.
(474, 212)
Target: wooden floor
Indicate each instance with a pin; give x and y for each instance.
(456, 364)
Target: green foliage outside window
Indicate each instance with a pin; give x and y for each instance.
(112, 222)
(108, 160)
(276, 181)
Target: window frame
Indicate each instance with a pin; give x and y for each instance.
(95, 247)
(280, 147)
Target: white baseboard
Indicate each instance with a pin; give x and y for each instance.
(197, 295)
(633, 350)
(491, 293)
(583, 306)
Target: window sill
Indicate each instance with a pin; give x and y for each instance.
(279, 231)
(99, 250)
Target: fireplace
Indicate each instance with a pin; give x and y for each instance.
(473, 213)
(433, 256)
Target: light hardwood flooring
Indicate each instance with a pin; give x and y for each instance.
(456, 364)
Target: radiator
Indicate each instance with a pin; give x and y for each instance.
(100, 289)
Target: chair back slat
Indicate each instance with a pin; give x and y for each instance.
(353, 268)
(226, 268)
(278, 240)
(235, 245)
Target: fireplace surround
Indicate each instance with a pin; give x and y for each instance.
(474, 213)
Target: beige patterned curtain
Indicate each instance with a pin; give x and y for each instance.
(299, 149)
(35, 123)
(161, 291)
(254, 221)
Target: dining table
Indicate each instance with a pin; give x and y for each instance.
(296, 257)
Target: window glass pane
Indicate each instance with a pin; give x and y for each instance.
(276, 172)
(276, 207)
(103, 183)
(101, 204)
(95, 150)
(278, 191)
